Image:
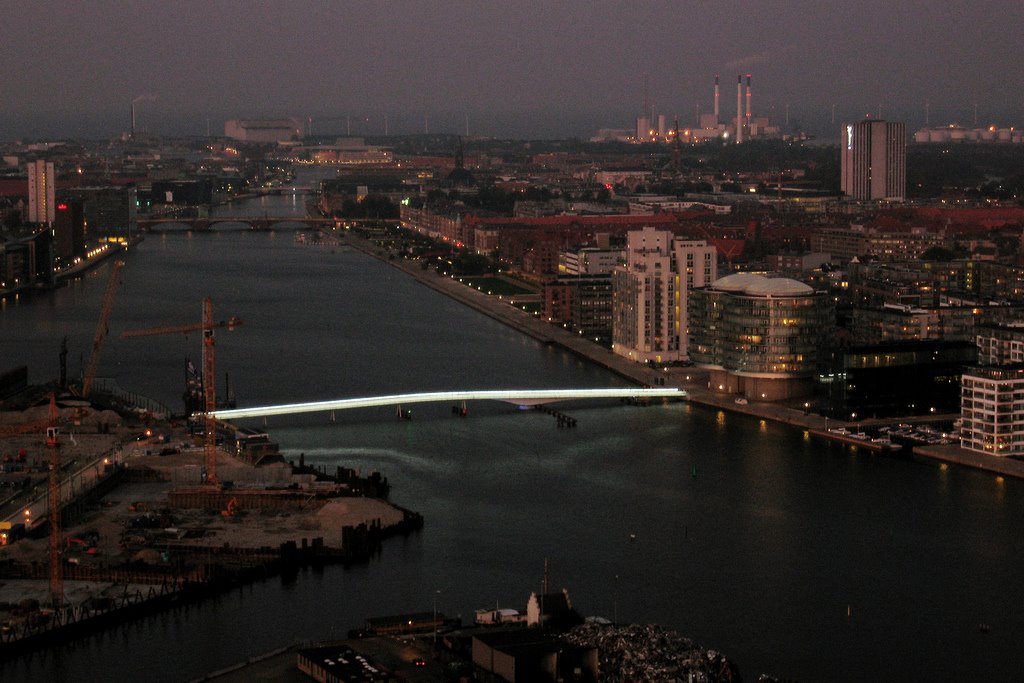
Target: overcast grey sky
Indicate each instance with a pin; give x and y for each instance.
(514, 68)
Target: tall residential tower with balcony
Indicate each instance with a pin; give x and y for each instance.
(649, 309)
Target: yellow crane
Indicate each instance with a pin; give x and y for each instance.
(207, 326)
(101, 329)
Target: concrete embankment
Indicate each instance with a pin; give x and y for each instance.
(525, 322)
(693, 381)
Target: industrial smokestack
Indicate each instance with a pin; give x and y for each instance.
(748, 99)
(739, 108)
(716, 99)
(132, 134)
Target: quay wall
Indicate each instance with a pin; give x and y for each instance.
(693, 381)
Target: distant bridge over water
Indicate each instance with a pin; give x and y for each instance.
(520, 397)
(210, 223)
(285, 189)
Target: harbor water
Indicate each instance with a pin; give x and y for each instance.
(790, 555)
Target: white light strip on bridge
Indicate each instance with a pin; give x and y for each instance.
(520, 396)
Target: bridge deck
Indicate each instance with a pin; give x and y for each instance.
(524, 397)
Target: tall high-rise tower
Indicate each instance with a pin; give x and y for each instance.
(874, 160)
(42, 181)
(649, 304)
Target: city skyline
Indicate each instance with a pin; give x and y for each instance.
(525, 70)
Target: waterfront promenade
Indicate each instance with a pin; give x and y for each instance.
(692, 380)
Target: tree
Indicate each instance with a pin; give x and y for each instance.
(938, 253)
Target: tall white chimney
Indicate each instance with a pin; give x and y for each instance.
(739, 108)
(716, 99)
(748, 99)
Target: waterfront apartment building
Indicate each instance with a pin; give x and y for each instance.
(447, 228)
(42, 186)
(69, 234)
(760, 337)
(1000, 344)
(110, 212)
(874, 160)
(990, 410)
(583, 303)
(650, 294)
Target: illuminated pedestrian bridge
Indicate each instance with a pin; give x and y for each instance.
(520, 397)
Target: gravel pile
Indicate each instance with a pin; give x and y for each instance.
(644, 652)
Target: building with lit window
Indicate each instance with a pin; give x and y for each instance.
(69, 234)
(582, 303)
(42, 186)
(844, 244)
(874, 160)
(1000, 344)
(649, 300)
(894, 322)
(760, 337)
(894, 378)
(110, 212)
(991, 400)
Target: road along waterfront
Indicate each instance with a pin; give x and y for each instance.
(745, 535)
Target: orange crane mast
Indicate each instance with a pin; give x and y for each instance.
(53, 499)
(207, 326)
(101, 329)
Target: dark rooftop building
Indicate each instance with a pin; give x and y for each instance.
(524, 655)
(902, 378)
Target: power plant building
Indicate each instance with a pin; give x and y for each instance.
(874, 161)
(272, 131)
(649, 307)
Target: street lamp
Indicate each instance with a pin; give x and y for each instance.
(615, 601)
(436, 593)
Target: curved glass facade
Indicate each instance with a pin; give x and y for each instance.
(759, 335)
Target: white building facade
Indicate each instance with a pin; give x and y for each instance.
(992, 410)
(42, 184)
(650, 294)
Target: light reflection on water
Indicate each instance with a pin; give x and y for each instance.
(752, 539)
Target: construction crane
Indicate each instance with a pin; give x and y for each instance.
(101, 329)
(53, 499)
(23, 428)
(207, 326)
(32, 426)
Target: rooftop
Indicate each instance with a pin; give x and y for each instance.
(759, 285)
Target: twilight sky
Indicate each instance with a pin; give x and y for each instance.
(514, 68)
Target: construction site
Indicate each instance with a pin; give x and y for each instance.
(110, 509)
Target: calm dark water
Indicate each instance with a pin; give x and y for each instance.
(749, 537)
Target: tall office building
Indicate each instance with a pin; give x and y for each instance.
(649, 300)
(42, 181)
(874, 160)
